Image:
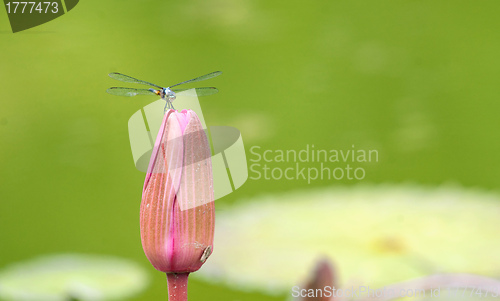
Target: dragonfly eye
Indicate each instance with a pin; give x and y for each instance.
(171, 95)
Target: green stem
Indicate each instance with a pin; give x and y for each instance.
(177, 286)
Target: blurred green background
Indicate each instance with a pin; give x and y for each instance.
(416, 80)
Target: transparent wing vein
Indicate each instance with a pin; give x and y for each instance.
(205, 91)
(120, 91)
(130, 79)
(200, 78)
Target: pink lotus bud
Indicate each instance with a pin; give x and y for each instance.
(177, 208)
(320, 284)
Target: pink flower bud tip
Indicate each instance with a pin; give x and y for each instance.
(322, 277)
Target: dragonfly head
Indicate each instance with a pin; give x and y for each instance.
(168, 94)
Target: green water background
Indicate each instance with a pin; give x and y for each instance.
(416, 80)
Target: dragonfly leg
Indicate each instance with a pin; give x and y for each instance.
(168, 105)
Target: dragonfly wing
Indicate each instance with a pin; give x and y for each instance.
(200, 78)
(130, 79)
(129, 91)
(199, 91)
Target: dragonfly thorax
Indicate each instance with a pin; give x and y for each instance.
(168, 94)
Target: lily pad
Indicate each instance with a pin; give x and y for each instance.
(375, 235)
(72, 277)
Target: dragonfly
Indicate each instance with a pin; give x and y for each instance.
(168, 94)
